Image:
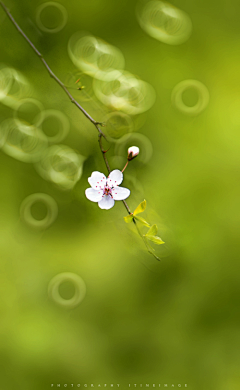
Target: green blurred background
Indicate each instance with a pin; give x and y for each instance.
(141, 321)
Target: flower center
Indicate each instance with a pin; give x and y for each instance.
(107, 191)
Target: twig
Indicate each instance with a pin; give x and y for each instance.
(95, 123)
(50, 71)
(125, 166)
(103, 152)
(126, 206)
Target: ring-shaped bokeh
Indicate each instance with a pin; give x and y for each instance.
(29, 112)
(61, 165)
(57, 119)
(24, 143)
(203, 97)
(164, 22)
(26, 212)
(13, 86)
(95, 57)
(126, 93)
(118, 124)
(58, 7)
(79, 285)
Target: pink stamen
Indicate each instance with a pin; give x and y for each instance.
(107, 190)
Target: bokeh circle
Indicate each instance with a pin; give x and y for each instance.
(125, 93)
(29, 112)
(95, 57)
(30, 220)
(24, 143)
(61, 165)
(118, 124)
(164, 22)
(203, 97)
(13, 86)
(80, 290)
(57, 119)
(58, 7)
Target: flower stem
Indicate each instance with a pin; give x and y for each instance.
(125, 166)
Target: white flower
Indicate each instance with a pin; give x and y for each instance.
(133, 151)
(105, 190)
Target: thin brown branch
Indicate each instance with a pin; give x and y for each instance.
(95, 123)
(50, 70)
(103, 152)
(126, 206)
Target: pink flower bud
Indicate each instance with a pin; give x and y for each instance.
(133, 151)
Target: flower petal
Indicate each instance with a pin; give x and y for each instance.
(93, 195)
(97, 180)
(106, 203)
(115, 178)
(120, 193)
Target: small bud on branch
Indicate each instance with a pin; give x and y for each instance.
(133, 152)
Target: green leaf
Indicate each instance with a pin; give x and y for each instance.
(128, 218)
(157, 240)
(140, 219)
(152, 231)
(141, 207)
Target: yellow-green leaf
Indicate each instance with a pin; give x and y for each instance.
(140, 219)
(157, 240)
(128, 218)
(141, 207)
(152, 231)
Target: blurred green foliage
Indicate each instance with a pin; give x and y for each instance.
(142, 321)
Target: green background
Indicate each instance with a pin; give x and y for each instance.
(142, 321)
